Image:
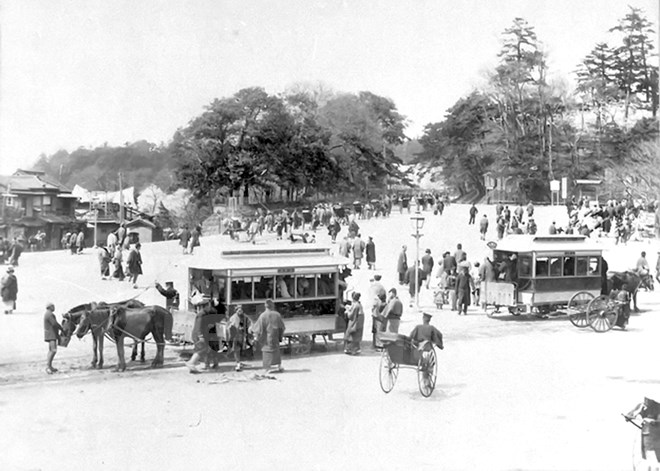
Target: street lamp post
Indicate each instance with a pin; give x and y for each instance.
(417, 221)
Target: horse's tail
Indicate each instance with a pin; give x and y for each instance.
(168, 323)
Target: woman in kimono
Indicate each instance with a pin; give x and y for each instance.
(268, 331)
(354, 326)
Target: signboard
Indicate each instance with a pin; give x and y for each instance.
(554, 185)
(564, 187)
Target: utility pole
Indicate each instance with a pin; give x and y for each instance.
(121, 201)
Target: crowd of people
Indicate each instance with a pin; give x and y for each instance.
(119, 259)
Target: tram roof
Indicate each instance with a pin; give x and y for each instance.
(269, 258)
(547, 243)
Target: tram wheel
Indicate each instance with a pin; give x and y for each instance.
(577, 308)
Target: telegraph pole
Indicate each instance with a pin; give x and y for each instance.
(121, 201)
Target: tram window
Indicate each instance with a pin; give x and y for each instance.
(581, 267)
(569, 266)
(326, 284)
(263, 287)
(241, 289)
(555, 266)
(305, 286)
(284, 286)
(594, 265)
(541, 266)
(525, 267)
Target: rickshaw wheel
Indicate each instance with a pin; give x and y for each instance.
(577, 308)
(388, 372)
(427, 370)
(601, 314)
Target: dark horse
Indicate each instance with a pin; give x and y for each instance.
(137, 324)
(119, 322)
(616, 280)
(72, 320)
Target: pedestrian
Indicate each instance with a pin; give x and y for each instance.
(184, 237)
(371, 254)
(376, 289)
(451, 288)
(15, 251)
(392, 313)
(414, 280)
(134, 263)
(531, 226)
(483, 226)
(448, 262)
(552, 230)
(205, 318)
(464, 288)
(501, 227)
(354, 326)
(52, 330)
(358, 251)
(9, 290)
(344, 247)
(171, 295)
(460, 254)
(378, 321)
(269, 332)
(80, 241)
(104, 261)
(117, 260)
(111, 241)
(72, 242)
(194, 239)
(473, 213)
(427, 266)
(530, 210)
(402, 264)
(238, 329)
(121, 234)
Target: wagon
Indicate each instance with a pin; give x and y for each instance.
(542, 275)
(400, 352)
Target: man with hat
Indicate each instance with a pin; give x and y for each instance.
(203, 333)
(52, 329)
(427, 266)
(426, 332)
(9, 290)
(171, 295)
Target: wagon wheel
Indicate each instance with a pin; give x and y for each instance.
(577, 308)
(601, 314)
(388, 372)
(514, 311)
(427, 370)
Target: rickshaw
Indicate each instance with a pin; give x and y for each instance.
(400, 352)
(544, 274)
(303, 282)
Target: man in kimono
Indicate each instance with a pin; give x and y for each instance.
(268, 331)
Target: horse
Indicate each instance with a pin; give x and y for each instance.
(632, 280)
(72, 321)
(137, 323)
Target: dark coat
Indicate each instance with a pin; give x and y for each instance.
(9, 287)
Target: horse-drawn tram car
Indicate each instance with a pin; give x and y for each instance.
(305, 284)
(544, 274)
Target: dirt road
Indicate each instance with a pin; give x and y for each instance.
(512, 393)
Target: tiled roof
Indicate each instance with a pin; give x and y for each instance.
(31, 183)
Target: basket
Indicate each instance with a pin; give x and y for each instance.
(63, 341)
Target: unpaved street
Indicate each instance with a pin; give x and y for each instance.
(512, 393)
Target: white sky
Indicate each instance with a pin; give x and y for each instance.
(81, 73)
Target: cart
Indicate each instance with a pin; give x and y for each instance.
(399, 352)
